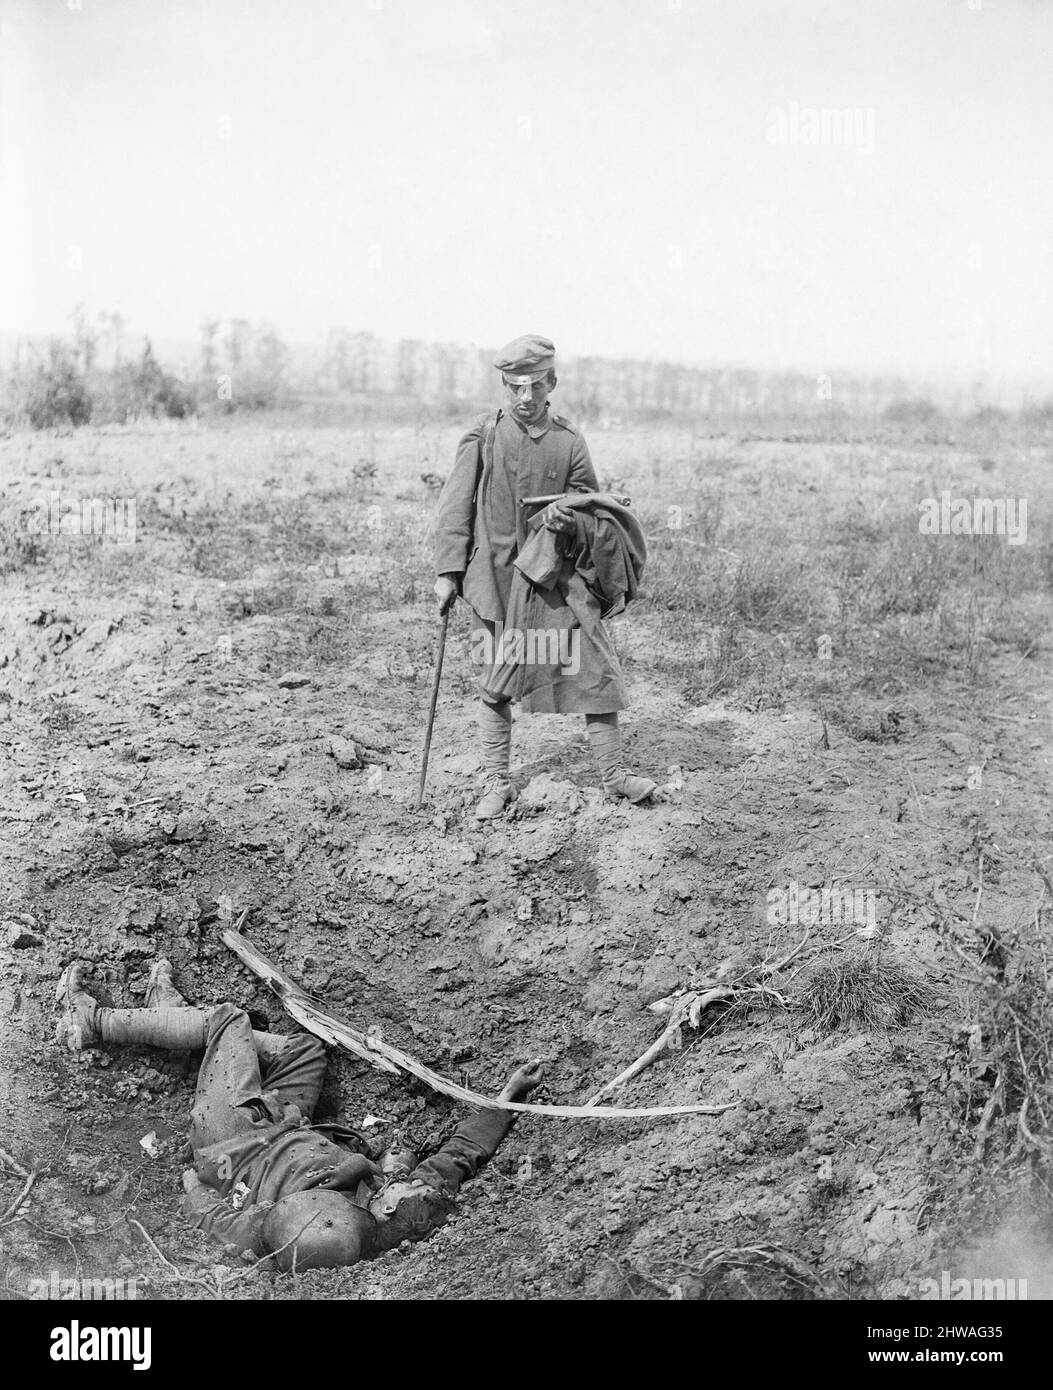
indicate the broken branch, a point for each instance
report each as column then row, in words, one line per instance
column 317, row 1020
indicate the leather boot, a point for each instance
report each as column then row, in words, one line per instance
column 499, row 795
column 76, row 1026
column 605, row 741
column 627, row 784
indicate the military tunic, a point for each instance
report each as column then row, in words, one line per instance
column 479, row 544
column 253, row 1144
column 529, row 461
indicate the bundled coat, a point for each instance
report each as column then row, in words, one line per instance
column 556, row 653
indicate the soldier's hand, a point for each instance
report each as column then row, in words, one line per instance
column 524, row 1080
column 558, row 518
column 355, row 1168
column 445, row 591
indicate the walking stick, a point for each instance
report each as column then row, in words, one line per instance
column 439, row 652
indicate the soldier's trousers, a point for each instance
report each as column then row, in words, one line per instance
column 236, row 1088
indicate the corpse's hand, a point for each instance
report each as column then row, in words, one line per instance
column 558, row 518
column 524, row 1080
column 352, row 1170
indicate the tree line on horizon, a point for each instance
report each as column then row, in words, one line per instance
column 94, row 375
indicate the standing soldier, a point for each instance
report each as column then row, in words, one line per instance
column 484, row 533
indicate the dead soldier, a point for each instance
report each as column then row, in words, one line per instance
column 264, row 1178
column 541, row 557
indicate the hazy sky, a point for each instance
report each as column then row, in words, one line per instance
column 613, row 173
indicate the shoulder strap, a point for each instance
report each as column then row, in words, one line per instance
column 486, row 452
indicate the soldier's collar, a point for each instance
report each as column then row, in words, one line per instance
column 539, row 428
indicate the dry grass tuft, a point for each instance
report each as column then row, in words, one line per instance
column 866, row 992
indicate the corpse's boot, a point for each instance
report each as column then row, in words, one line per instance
column 83, row 1022
column 77, row 1025
column 605, row 743
column 161, row 992
column 495, row 733
column 167, row 1021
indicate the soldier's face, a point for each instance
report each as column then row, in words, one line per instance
column 527, row 401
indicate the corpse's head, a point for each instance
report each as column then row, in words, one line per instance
column 528, row 395
column 318, row 1229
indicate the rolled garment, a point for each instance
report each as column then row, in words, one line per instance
column 554, row 653
column 608, row 548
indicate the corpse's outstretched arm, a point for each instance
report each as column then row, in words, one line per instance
column 412, row 1209
column 476, row 1140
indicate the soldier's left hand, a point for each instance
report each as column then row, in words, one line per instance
column 355, row 1168
column 557, row 518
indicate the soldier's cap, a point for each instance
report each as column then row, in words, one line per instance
column 526, row 359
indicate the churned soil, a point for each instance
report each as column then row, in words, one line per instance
column 229, row 714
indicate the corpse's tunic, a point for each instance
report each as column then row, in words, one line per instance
column 479, row 544
column 254, row 1144
column 288, row 1156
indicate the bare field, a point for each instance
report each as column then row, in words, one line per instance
column 834, row 699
